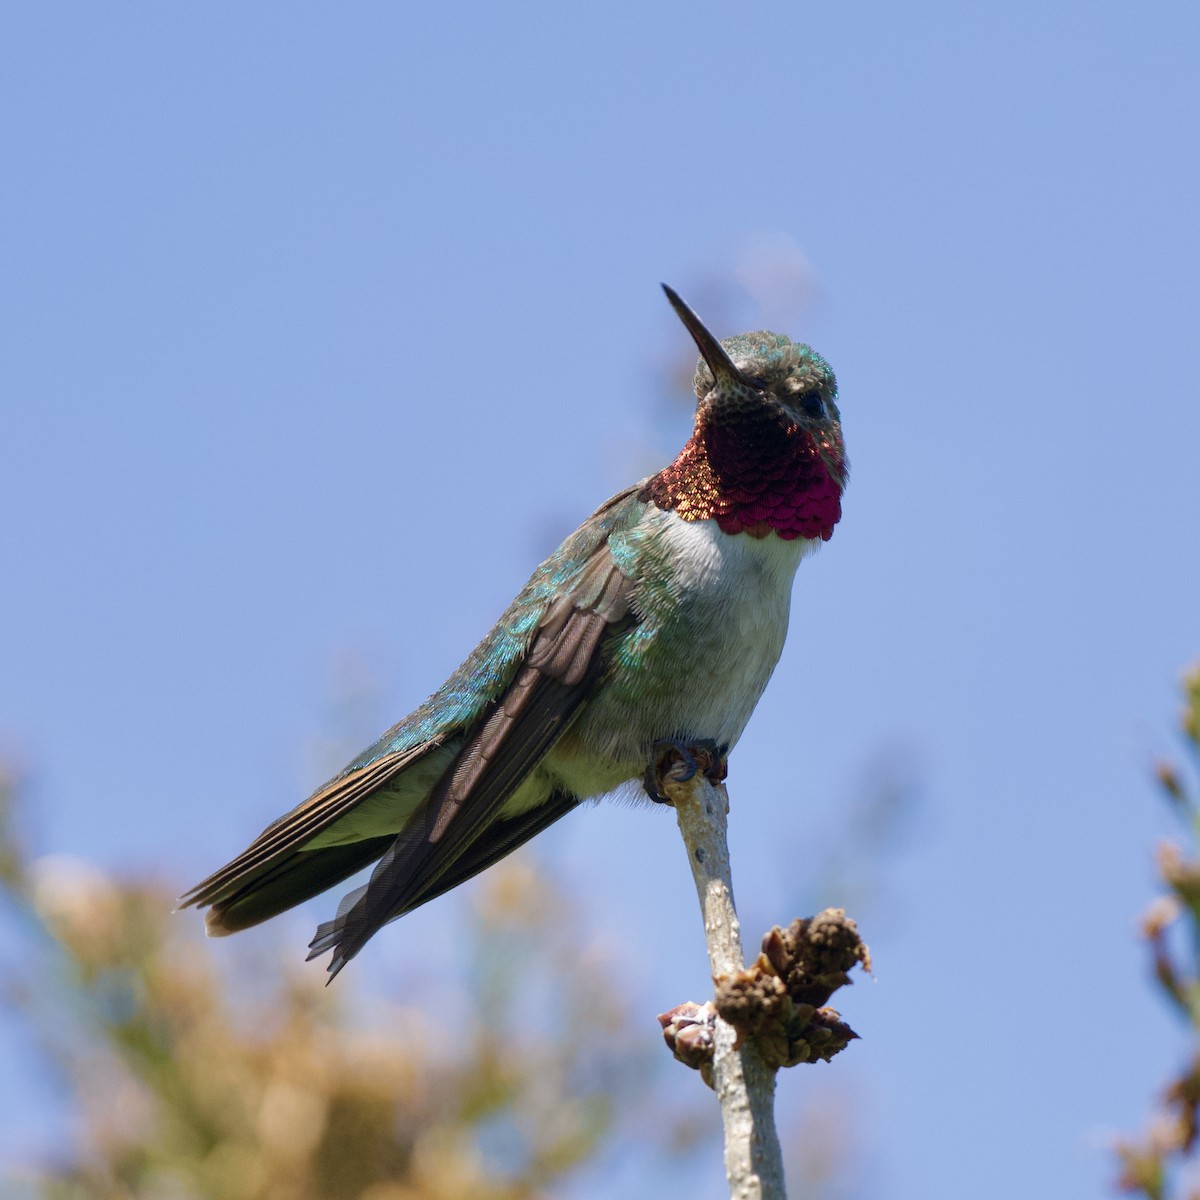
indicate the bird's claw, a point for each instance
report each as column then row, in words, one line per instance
column 679, row 762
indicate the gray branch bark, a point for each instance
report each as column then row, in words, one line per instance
column 744, row 1084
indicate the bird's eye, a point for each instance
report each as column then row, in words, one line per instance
column 811, row 405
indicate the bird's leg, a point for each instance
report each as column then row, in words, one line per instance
column 680, row 761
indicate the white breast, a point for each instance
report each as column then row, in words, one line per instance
column 735, row 596
column 713, row 611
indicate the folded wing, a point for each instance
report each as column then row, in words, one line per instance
column 541, row 658
column 458, row 829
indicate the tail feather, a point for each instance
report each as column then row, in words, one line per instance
column 297, row 878
column 350, row 929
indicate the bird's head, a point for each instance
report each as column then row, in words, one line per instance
column 764, row 373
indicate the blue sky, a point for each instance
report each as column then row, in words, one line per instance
column 321, row 326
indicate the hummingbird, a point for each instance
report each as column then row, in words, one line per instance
column 652, row 629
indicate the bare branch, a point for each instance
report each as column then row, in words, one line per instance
column 744, row 1084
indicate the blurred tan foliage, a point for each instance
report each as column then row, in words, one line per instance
column 262, row 1084
column 1163, row 1163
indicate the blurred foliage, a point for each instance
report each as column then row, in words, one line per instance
column 1163, row 1163
column 262, row 1084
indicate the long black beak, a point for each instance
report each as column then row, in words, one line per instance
column 714, row 354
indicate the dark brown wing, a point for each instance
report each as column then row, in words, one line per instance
column 501, row 837
column 455, row 832
column 273, row 874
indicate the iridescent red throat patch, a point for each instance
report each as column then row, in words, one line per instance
column 760, row 478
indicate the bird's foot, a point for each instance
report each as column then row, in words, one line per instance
column 679, row 761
